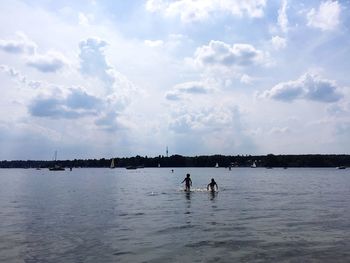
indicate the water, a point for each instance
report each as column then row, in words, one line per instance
column 119, row 215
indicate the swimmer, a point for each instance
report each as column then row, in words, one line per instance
column 188, row 182
column 212, row 185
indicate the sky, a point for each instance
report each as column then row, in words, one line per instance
column 115, row 78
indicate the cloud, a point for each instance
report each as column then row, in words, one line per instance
column 22, row 45
column 79, row 99
column 83, row 19
column 207, row 126
column 278, row 130
column 202, row 120
column 171, row 43
column 18, row 76
column 246, row 79
column 109, row 121
column 48, row 63
column 278, row 42
column 154, row 43
column 192, row 10
column 179, row 91
column 172, row 95
column 93, row 63
column 282, row 19
column 218, row 53
column 326, row 17
column 13, row 73
column 76, row 104
column 339, row 110
column 343, row 128
column 307, row 87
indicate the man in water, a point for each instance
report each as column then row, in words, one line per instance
column 212, row 185
column 188, row 182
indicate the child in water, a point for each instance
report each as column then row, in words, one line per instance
column 188, row 182
column 212, row 184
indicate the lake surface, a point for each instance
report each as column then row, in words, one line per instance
column 119, row 215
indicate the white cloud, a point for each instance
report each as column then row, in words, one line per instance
column 92, row 58
column 21, row 45
column 339, row 110
column 192, row 10
column 50, row 62
column 154, row 43
column 77, row 103
column 83, row 19
column 93, row 63
column 13, row 73
column 246, row 79
column 278, row 42
column 307, row 87
column 278, row 130
column 282, row 19
column 179, row 91
column 224, row 124
column 326, row 17
column 218, row 53
column 117, row 90
column 18, row 76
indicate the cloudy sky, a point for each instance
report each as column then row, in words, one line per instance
column 96, row 79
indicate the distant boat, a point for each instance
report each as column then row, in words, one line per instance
column 56, row 167
column 253, row 165
column 341, row 167
column 112, row 164
column 158, row 165
column 216, row 165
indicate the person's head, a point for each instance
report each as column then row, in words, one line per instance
column 212, row 180
column 187, row 175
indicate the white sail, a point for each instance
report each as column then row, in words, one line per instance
column 216, row 165
column 112, row 164
column 253, row 165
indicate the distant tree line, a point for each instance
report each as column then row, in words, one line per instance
column 270, row 160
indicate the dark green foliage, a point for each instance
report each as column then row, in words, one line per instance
column 270, row 160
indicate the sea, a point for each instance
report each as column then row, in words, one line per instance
column 143, row 215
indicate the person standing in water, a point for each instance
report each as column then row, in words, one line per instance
column 188, row 182
column 212, row 185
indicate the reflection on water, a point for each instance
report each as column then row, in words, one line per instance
column 188, row 195
column 213, row 194
column 103, row 215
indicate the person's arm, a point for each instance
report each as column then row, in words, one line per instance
column 191, row 182
column 183, row 180
column 217, row 187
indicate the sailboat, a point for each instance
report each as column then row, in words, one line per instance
column 253, row 165
column 56, row 167
column 216, row 165
column 112, row 164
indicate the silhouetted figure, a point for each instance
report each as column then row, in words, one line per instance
column 188, row 182
column 212, row 185
column 172, row 170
